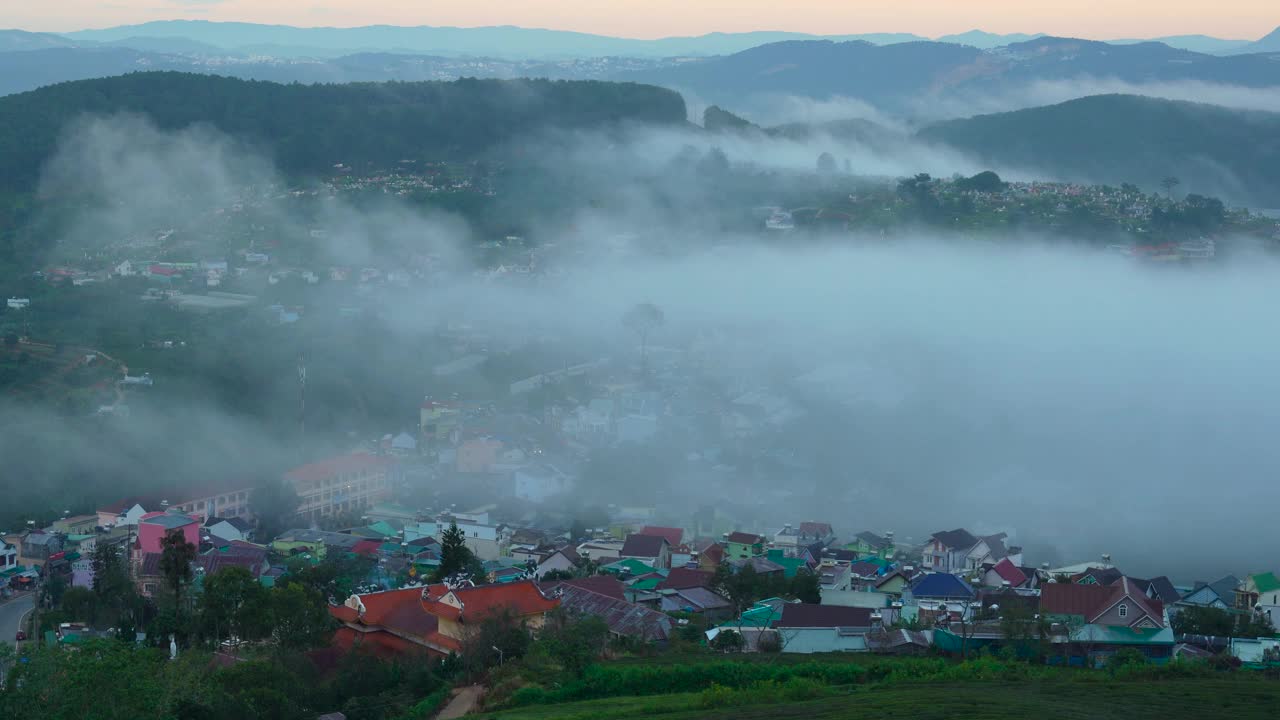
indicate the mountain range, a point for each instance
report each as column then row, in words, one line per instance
column 906, row 76
column 528, row 43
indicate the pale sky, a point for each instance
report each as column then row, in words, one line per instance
column 1098, row 19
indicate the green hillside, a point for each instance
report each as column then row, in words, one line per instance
column 307, row 128
column 1122, row 138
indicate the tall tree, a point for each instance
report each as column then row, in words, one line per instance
column 234, row 603
column 176, row 557
column 455, row 556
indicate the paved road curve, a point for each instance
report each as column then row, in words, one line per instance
column 11, row 615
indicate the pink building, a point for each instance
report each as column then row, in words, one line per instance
column 153, row 527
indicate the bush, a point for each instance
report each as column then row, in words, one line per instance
column 1125, row 658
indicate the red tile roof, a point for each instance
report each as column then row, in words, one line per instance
column 744, row 538
column 1071, row 599
column 521, row 598
column 366, row 547
column 1010, row 572
column 336, row 466
column 607, row 585
column 815, row 529
column 674, row 536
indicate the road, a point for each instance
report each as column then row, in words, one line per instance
column 11, row 616
column 463, row 702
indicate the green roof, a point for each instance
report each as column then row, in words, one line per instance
column 384, row 528
column 790, row 566
column 1265, row 582
column 760, row 615
column 645, row 584
column 630, row 565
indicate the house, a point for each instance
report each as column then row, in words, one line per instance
column 484, row 540
column 438, row 420
column 681, row 578
column 896, row 582
column 1162, row 589
column 1005, row 574
column 762, row 566
column 600, row 550
column 600, row 584
column 1260, row 593
column 40, row 547
column 77, row 525
column 540, row 482
column 741, row 545
column 991, row 549
column 565, row 559
column 653, row 550
column 708, row 554
column 833, row 578
column 1097, row 576
column 1092, row 622
column 807, row 628
column 154, row 527
column 8, row 556
column 898, row 642
column 948, row 551
column 433, row 620
column 869, row 543
column 339, row 485
column 1218, row 594
column 673, row 536
column 233, row 528
column 404, row 445
column 942, row 597
column 1255, row 651
column 698, row 600
column 623, row 618
column 127, row 511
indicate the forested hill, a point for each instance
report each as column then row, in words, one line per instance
column 1122, row 138
column 308, row 128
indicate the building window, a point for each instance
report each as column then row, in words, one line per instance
column 1124, row 610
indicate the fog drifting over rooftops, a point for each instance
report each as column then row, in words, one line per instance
column 1082, row 403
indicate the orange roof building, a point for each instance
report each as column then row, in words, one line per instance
column 433, row 620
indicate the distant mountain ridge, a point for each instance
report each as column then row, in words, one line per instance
column 526, row 43
column 899, row 77
column 1123, row 138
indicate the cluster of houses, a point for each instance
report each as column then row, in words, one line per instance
column 646, row 582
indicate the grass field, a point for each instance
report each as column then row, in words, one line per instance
column 1238, row 699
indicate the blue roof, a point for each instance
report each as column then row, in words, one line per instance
column 942, row 585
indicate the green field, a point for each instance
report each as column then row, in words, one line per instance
column 1238, row 699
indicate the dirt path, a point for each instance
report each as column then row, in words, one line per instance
column 464, row 701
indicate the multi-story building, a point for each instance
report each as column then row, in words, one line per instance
column 207, row 503
column 340, row 485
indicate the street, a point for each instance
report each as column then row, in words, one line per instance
column 11, row 615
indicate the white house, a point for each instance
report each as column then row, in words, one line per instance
column 16, row 303
column 229, row 528
column 538, row 483
column 565, row 559
column 8, row 555
column 1251, row 650
column 125, row 268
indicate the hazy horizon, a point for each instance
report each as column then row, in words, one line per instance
column 1093, row 19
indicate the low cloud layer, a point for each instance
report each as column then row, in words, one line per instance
column 1083, row 403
